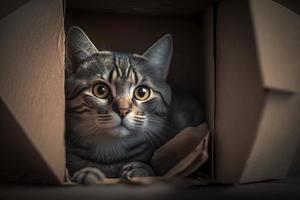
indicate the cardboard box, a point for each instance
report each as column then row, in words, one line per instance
column 32, row 92
column 257, row 90
column 239, row 58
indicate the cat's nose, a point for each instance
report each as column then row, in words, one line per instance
column 122, row 112
column 122, row 106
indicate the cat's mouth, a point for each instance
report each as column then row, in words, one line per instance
column 121, row 130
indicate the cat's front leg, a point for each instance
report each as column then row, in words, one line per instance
column 136, row 169
column 88, row 176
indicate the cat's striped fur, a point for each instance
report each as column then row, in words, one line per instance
column 108, row 133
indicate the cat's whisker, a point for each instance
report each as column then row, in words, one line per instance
column 104, row 119
column 139, row 117
column 84, row 124
column 87, row 115
column 149, row 140
column 138, row 120
column 139, row 124
column 92, row 123
column 149, row 131
column 152, row 127
column 105, row 124
column 93, row 129
column 105, row 116
column 78, row 112
column 95, row 118
column 89, row 128
column 162, row 121
column 96, row 115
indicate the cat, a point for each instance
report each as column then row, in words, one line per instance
column 119, row 109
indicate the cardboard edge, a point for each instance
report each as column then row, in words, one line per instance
column 209, row 29
column 235, row 177
column 255, row 15
column 37, row 167
column 285, row 104
column 50, row 172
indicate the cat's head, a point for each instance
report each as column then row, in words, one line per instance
column 116, row 94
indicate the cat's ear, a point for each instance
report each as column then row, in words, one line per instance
column 78, row 48
column 159, row 55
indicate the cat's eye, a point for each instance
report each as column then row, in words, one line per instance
column 142, row 93
column 101, row 90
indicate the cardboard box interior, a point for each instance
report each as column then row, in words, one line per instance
column 119, row 27
column 119, row 32
column 243, row 93
column 257, row 98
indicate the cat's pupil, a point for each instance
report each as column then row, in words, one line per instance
column 142, row 92
column 101, row 90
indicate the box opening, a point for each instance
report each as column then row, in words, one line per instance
column 229, row 57
column 133, row 28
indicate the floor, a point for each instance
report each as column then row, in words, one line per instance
column 284, row 189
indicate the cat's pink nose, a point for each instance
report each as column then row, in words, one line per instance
column 122, row 112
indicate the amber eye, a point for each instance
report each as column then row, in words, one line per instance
column 101, row 91
column 141, row 93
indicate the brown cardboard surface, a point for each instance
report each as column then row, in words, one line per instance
column 209, row 65
column 290, row 4
column 253, row 113
column 32, row 82
column 7, row 8
column 20, row 160
column 276, row 140
column 277, row 31
column 239, row 92
column 256, row 130
column 295, row 166
column 176, row 158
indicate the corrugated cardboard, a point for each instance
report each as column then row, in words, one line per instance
column 32, row 90
column 247, row 76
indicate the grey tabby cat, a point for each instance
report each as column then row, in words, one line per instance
column 119, row 109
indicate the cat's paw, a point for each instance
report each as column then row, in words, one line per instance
column 136, row 169
column 88, row 176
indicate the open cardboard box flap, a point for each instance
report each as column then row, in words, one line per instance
column 257, row 91
column 252, row 85
column 277, row 31
column 32, row 91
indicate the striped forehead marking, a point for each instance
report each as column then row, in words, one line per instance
column 122, row 63
column 122, row 68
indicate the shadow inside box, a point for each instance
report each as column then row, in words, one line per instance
column 283, row 189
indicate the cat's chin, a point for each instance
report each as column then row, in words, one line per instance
column 120, row 131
